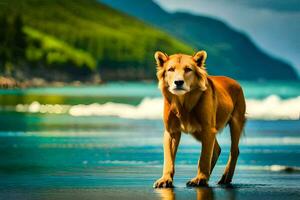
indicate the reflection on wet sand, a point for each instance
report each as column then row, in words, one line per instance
column 205, row 193
column 201, row 193
column 166, row 193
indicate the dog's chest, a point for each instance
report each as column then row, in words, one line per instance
column 189, row 126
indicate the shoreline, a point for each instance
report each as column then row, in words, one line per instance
column 7, row 82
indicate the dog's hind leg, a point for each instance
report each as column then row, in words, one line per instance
column 236, row 125
column 216, row 154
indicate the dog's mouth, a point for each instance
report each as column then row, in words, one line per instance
column 179, row 89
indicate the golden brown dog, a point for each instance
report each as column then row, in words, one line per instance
column 201, row 105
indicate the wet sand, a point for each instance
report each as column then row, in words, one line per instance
column 120, row 160
column 136, row 183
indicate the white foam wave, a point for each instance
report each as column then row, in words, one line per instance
column 270, row 108
column 273, row 108
column 147, row 109
column 36, row 107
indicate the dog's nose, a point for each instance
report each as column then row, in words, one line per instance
column 179, row 83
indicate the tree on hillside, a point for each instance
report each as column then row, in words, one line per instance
column 19, row 38
column 3, row 25
column 12, row 42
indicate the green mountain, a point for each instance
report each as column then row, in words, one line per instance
column 230, row 52
column 65, row 40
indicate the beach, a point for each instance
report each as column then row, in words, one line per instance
column 91, row 155
column 109, row 166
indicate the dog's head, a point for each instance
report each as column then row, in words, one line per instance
column 181, row 73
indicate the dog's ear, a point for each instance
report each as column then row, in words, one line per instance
column 200, row 58
column 160, row 58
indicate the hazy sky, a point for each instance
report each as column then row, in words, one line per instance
column 274, row 25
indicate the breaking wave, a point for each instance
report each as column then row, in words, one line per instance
column 273, row 107
column 270, row 108
column 147, row 109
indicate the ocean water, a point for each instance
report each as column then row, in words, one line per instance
column 105, row 142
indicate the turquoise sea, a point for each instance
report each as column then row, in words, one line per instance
column 105, row 142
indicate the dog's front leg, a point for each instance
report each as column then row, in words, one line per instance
column 204, row 164
column 171, row 141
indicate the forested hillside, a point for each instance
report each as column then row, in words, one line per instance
column 76, row 40
column 85, row 40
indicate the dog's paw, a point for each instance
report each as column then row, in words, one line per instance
column 225, row 179
column 197, row 182
column 163, row 182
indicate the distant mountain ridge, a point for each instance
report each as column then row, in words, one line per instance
column 230, row 52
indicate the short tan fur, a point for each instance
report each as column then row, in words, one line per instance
column 200, row 105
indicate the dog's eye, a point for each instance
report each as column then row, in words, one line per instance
column 187, row 69
column 171, row 69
